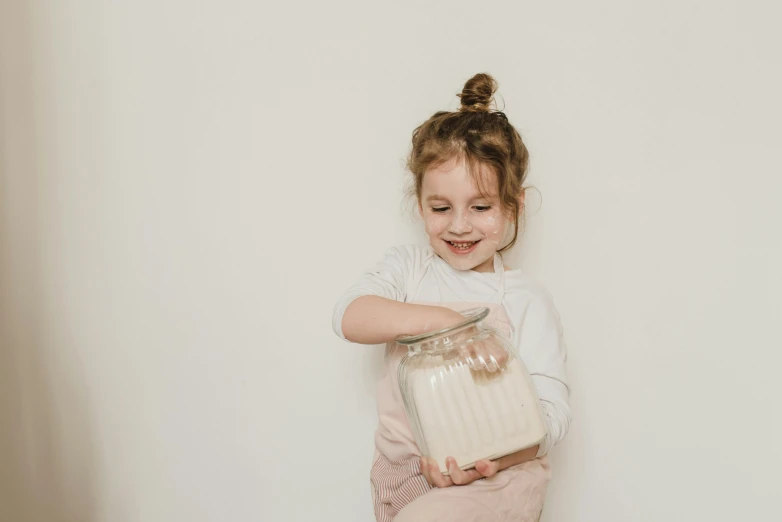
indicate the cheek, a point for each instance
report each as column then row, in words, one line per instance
column 494, row 226
column 435, row 224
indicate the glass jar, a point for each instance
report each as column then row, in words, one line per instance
column 467, row 394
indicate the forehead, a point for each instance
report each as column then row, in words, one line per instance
column 453, row 178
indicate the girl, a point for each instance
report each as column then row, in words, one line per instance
column 468, row 169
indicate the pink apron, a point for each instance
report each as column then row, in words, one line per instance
column 400, row 492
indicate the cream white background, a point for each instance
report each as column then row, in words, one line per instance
column 186, row 188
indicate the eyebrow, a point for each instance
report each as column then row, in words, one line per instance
column 434, row 197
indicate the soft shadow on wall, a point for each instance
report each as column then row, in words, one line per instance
column 46, row 458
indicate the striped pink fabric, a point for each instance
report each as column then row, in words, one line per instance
column 394, row 485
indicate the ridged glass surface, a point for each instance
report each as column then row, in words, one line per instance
column 461, row 403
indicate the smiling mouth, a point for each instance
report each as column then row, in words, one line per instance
column 462, row 246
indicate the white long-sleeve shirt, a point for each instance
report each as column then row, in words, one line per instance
column 416, row 273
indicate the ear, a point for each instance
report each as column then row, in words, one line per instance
column 420, row 209
column 521, row 199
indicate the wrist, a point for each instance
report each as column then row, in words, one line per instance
column 428, row 318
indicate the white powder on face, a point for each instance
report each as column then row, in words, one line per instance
column 472, row 415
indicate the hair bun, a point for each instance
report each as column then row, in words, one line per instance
column 478, row 93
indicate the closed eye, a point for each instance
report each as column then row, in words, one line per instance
column 482, row 208
column 440, row 209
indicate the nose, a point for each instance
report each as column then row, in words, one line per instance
column 460, row 224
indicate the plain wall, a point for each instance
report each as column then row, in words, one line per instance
column 187, row 187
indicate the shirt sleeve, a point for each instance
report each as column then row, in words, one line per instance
column 541, row 345
column 388, row 278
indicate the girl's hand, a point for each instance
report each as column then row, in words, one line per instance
column 483, row 468
column 431, row 472
column 439, row 318
column 479, row 355
column 485, row 356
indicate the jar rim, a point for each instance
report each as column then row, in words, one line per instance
column 472, row 316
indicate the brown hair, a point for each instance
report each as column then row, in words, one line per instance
column 478, row 136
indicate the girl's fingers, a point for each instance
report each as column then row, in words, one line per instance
column 487, row 468
column 424, row 465
column 466, row 355
column 438, row 479
column 500, row 356
column 482, row 356
column 434, row 477
column 489, row 357
column 461, row 477
column 493, row 357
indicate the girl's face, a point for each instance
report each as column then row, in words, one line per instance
column 464, row 227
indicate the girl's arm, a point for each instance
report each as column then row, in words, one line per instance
column 541, row 345
column 371, row 319
column 374, row 311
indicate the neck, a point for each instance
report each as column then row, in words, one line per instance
column 486, row 266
